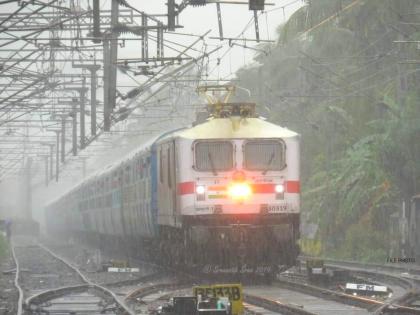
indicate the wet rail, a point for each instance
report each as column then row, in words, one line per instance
column 281, row 297
column 254, row 304
column 19, row 307
column 396, row 275
column 72, row 299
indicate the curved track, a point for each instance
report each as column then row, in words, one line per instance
column 104, row 296
column 254, row 304
column 283, row 297
column 406, row 285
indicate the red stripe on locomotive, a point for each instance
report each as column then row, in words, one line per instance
column 292, row 187
column 186, row 188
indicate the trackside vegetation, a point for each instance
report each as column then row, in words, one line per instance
column 338, row 77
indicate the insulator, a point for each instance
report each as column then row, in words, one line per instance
column 124, row 29
column 120, row 29
column 134, row 92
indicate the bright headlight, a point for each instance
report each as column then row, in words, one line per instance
column 200, row 190
column 239, row 191
column 279, row 188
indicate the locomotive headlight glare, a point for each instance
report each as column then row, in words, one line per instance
column 239, row 191
column 200, row 190
column 279, row 188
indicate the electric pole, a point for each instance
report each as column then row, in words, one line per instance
column 93, row 68
column 110, row 47
column 57, row 157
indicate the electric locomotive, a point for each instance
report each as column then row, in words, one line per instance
column 222, row 195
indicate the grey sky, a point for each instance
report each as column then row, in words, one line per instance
column 235, row 19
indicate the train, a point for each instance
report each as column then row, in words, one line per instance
column 222, row 194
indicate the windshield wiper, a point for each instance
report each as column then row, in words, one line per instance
column 269, row 163
column 213, row 169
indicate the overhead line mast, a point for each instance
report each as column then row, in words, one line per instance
column 43, row 43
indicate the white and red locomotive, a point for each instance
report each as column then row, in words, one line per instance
column 224, row 192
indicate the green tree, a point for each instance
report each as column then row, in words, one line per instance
column 337, row 77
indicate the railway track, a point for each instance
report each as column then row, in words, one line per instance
column 254, row 305
column 409, row 268
column 80, row 295
column 397, row 276
column 123, row 297
column 258, row 300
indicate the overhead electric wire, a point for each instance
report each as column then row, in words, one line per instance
column 245, row 29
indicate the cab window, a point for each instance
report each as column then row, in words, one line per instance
column 264, row 155
column 213, row 156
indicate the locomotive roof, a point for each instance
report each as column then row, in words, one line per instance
column 143, row 147
column 224, row 128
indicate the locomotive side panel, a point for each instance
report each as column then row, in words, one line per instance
column 185, row 178
column 292, row 182
column 167, row 202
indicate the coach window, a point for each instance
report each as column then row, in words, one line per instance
column 141, row 169
column 213, row 156
column 264, row 155
column 127, row 174
column 161, row 165
column 169, row 169
column 147, row 167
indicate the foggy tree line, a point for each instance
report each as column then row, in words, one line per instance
column 337, row 76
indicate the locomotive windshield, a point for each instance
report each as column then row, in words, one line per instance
column 264, row 155
column 211, row 156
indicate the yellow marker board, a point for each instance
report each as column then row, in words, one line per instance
column 231, row 291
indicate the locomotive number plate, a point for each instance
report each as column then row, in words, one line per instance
column 278, row 208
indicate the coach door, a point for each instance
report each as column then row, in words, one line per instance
column 171, row 177
column 166, row 184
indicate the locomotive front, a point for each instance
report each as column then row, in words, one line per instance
column 238, row 191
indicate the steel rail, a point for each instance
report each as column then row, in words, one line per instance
column 16, row 281
column 89, row 284
column 326, row 294
column 395, row 304
column 378, row 271
column 390, row 267
column 144, row 291
column 265, row 303
column 275, row 306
